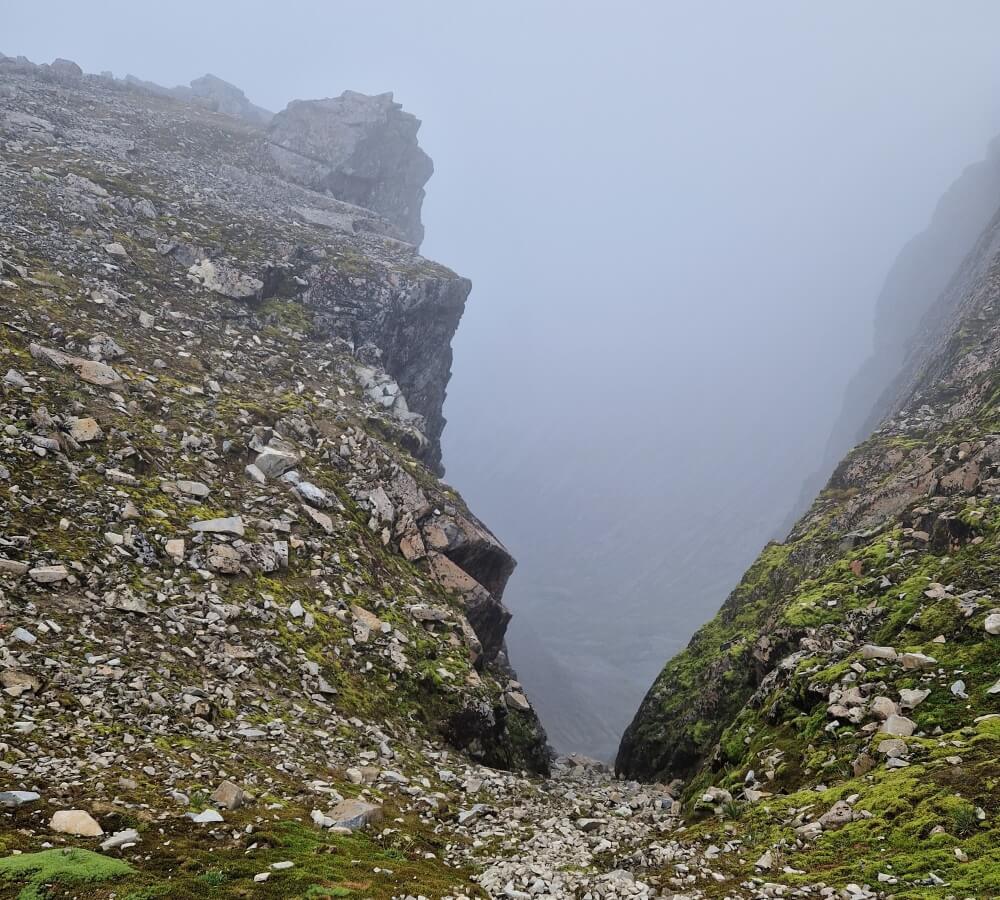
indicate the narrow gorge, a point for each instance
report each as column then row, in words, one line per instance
column 253, row 645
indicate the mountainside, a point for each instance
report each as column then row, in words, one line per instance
column 251, row 645
column 862, row 652
column 917, row 278
column 221, row 553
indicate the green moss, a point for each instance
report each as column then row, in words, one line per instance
column 67, row 867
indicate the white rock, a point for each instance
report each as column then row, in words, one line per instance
column 228, row 525
column 75, row 821
column 121, row 838
column 205, row 816
column 48, row 574
column 898, row 725
column 912, row 698
column 917, row 661
column 871, row 651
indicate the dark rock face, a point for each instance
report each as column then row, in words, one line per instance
column 360, row 149
column 410, row 318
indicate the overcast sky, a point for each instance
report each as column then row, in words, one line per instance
column 676, row 217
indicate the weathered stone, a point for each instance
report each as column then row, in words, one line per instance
column 193, row 488
column 121, row 839
column 517, row 700
column 225, row 280
column 229, row 795
column 883, row 708
column 898, row 725
column 175, row 549
column 85, row 430
column 13, row 567
column 837, row 816
column 275, row 461
column 16, row 799
column 77, row 822
column 229, row 525
column 48, row 574
column 16, row 683
column 917, row 661
column 319, row 518
column 911, row 699
column 871, row 651
column 355, row 814
column 224, row 559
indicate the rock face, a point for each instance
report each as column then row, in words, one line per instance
column 832, row 606
column 360, row 149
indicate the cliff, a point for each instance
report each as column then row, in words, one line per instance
column 858, row 658
column 913, row 287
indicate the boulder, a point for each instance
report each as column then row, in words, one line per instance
column 228, row 99
column 77, row 822
column 837, row 816
column 871, row 651
column 85, row 430
column 354, row 814
column 225, row 280
column 275, row 461
column 223, row 559
column 229, row 525
column 883, row 708
column 229, row 795
column 912, row 698
column 917, row 661
column 898, row 725
column 48, row 574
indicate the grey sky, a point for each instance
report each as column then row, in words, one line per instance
column 676, row 217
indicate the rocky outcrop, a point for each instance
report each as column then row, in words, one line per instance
column 360, row 149
column 209, row 91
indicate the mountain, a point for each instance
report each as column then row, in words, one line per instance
column 252, row 645
column 224, row 552
column 856, row 663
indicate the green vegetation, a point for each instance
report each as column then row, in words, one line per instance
column 34, row 872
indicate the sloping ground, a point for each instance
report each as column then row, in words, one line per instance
column 862, row 655
column 219, row 555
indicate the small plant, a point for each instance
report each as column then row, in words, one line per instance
column 733, row 809
column 213, row 877
column 965, row 820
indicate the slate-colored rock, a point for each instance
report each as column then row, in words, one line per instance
column 359, row 148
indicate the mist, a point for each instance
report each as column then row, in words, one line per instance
column 676, row 218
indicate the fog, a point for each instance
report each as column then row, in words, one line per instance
column 676, row 217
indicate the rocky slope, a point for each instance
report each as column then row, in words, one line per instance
column 858, row 661
column 916, row 280
column 252, row 646
column 222, row 554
